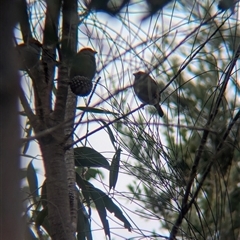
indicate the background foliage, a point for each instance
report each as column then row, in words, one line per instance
column 182, row 170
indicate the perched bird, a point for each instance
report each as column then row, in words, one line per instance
column 227, row 4
column 106, row 6
column 28, row 54
column 155, row 5
column 82, row 71
column 147, row 90
column 84, row 64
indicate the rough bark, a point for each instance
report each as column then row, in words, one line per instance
column 57, row 189
column 51, row 144
column 70, row 24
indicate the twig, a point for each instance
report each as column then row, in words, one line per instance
column 185, row 206
column 31, row 116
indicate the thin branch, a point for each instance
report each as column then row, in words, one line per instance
column 225, row 81
column 50, row 42
column 226, row 134
column 68, row 47
column 192, row 55
column 102, row 127
column 24, row 20
column 185, row 205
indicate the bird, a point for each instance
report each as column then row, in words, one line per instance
column 154, row 6
column 82, row 71
column 28, row 54
column 84, row 64
column 224, row 5
column 147, row 90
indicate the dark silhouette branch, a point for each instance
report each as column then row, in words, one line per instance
column 185, row 205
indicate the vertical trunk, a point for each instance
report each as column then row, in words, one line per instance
column 57, row 188
column 69, row 156
column 69, row 46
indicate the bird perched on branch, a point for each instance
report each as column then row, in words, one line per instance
column 28, row 54
column 82, row 71
column 147, row 90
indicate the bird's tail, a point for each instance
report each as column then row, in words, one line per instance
column 159, row 109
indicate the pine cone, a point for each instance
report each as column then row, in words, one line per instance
column 81, row 86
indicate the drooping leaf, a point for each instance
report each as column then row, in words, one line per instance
column 82, row 184
column 32, row 180
column 41, row 217
column 83, row 225
column 45, row 223
column 97, row 197
column 111, row 136
column 113, row 208
column 103, row 202
column 114, row 169
column 92, row 173
column 88, row 157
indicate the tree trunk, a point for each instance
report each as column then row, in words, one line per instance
column 57, row 188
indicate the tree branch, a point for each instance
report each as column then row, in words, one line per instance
column 185, row 206
column 31, row 116
column 24, row 20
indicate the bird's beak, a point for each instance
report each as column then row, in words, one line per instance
column 134, row 74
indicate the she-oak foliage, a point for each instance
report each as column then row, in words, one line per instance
column 185, row 166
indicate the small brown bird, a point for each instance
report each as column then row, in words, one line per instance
column 28, row 54
column 84, row 64
column 147, row 90
column 82, row 71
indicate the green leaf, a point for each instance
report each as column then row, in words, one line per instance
column 97, row 197
column 83, row 225
column 112, row 138
column 92, row 173
column 95, row 110
column 114, row 169
column 113, row 208
column 88, row 157
column 103, row 202
column 41, row 217
column 42, row 220
column 32, row 180
column 82, row 184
